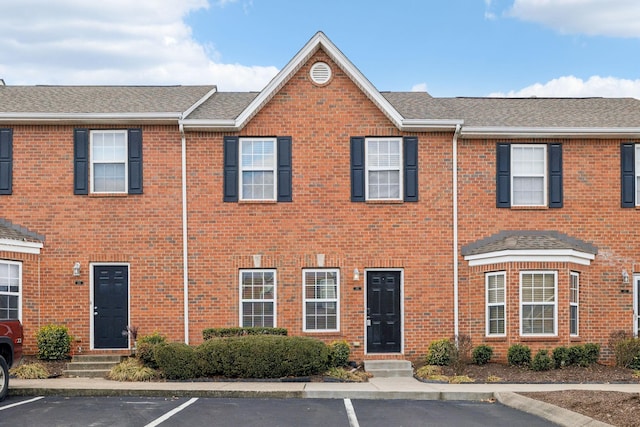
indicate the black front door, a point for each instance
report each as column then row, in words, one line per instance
column 110, row 306
column 383, row 312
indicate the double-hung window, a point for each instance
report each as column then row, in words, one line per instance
column 258, row 178
column 321, row 310
column 574, row 300
column 108, row 161
column 529, row 175
column 258, row 298
column 384, row 168
column 495, row 297
column 10, row 290
column 538, row 303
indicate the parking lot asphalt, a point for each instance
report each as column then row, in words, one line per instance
column 374, row 389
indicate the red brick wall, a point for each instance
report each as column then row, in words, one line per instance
column 591, row 212
column 415, row 237
column 143, row 230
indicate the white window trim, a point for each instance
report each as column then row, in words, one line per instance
column 555, row 303
column 126, row 161
column 368, row 168
column 19, row 264
column 544, row 174
column 305, row 299
column 275, row 293
column 575, row 303
column 242, row 168
column 487, row 304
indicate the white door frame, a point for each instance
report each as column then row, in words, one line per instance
column 91, row 305
column 366, row 290
column 636, row 296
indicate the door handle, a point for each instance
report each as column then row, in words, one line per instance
column 95, row 313
column 368, row 322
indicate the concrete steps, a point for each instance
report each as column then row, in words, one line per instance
column 389, row 368
column 91, row 365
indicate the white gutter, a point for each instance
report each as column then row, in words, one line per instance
column 547, row 132
column 92, row 117
column 456, row 322
column 185, row 251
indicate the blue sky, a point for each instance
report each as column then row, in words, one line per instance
column 449, row 48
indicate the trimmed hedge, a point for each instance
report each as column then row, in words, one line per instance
column 262, row 356
column 238, row 332
column 177, row 361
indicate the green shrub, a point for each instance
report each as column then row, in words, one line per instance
column 131, row 369
column 30, row 371
column 54, row 342
column 482, row 354
column 542, row 361
column 339, row 352
column 519, row 355
column 627, row 353
column 440, row 352
column 239, row 332
column 591, row 353
column 561, row 357
column 146, row 346
column 263, row 356
column 177, row 361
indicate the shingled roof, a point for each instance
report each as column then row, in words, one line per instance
column 10, row 231
column 527, row 240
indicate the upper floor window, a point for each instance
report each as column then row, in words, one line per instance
column 538, row 303
column 384, row 169
column 107, row 161
column 529, row 175
column 321, row 300
column 10, row 289
column 257, row 169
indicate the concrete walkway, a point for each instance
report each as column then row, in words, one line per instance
column 376, row 388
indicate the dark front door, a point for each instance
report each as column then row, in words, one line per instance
column 110, row 306
column 383, row 312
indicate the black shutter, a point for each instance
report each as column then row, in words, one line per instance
column 135, row 161
column 284, row 169
column 357, row 169
column 6, row 161
column 503, row 176
column 555, row 175
column 628, row 175
column 80, row 161
column 411, row 169
column 230, row 169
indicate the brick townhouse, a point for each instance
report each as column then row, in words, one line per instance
column 321, row 205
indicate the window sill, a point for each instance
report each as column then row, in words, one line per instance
column 490, row 338
column 525, row 338
column 257, row 202
column 385, row 202
column 322, row 333
column 529, row 208
column 98, row 195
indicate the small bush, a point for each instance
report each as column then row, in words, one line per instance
column 584, row 355
column 177, row 361
column 461, row 353
column 209, row 355
column 482, row 354
column 542, row 361
column 431, row 373
column 627, row 353
column 209, row 333
column 440, row 352
column 339, row 352
column 347, row 375
column 591, row 353
column 54, row 342
column 146, row 349
column 30, row 371
column 132, row 369
column 519, row 355
column 561, row 357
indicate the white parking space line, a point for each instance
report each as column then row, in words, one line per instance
column 351, row 413
column 24, row 402
column 170, row 414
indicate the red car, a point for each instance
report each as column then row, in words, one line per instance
column 10, row 351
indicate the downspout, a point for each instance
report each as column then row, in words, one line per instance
column 456, row 321
column 185, row 251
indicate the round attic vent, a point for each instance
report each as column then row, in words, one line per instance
column 320, row 73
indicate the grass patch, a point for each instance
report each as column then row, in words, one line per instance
column 461, row 379
column 351, row 375
column 431, row 373
column 132, row 369
column 493, row 379
column 30, row 371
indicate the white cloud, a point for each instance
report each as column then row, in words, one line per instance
column 114, row 42
column 573, row 87
column 614, row 18
column 420, row 87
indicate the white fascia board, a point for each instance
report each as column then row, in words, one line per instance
column 88, row 117
column 8, row 245
column 534, row 255
column 210, row 125
column 544, row 132
column 199, row 102
column 416, row 125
